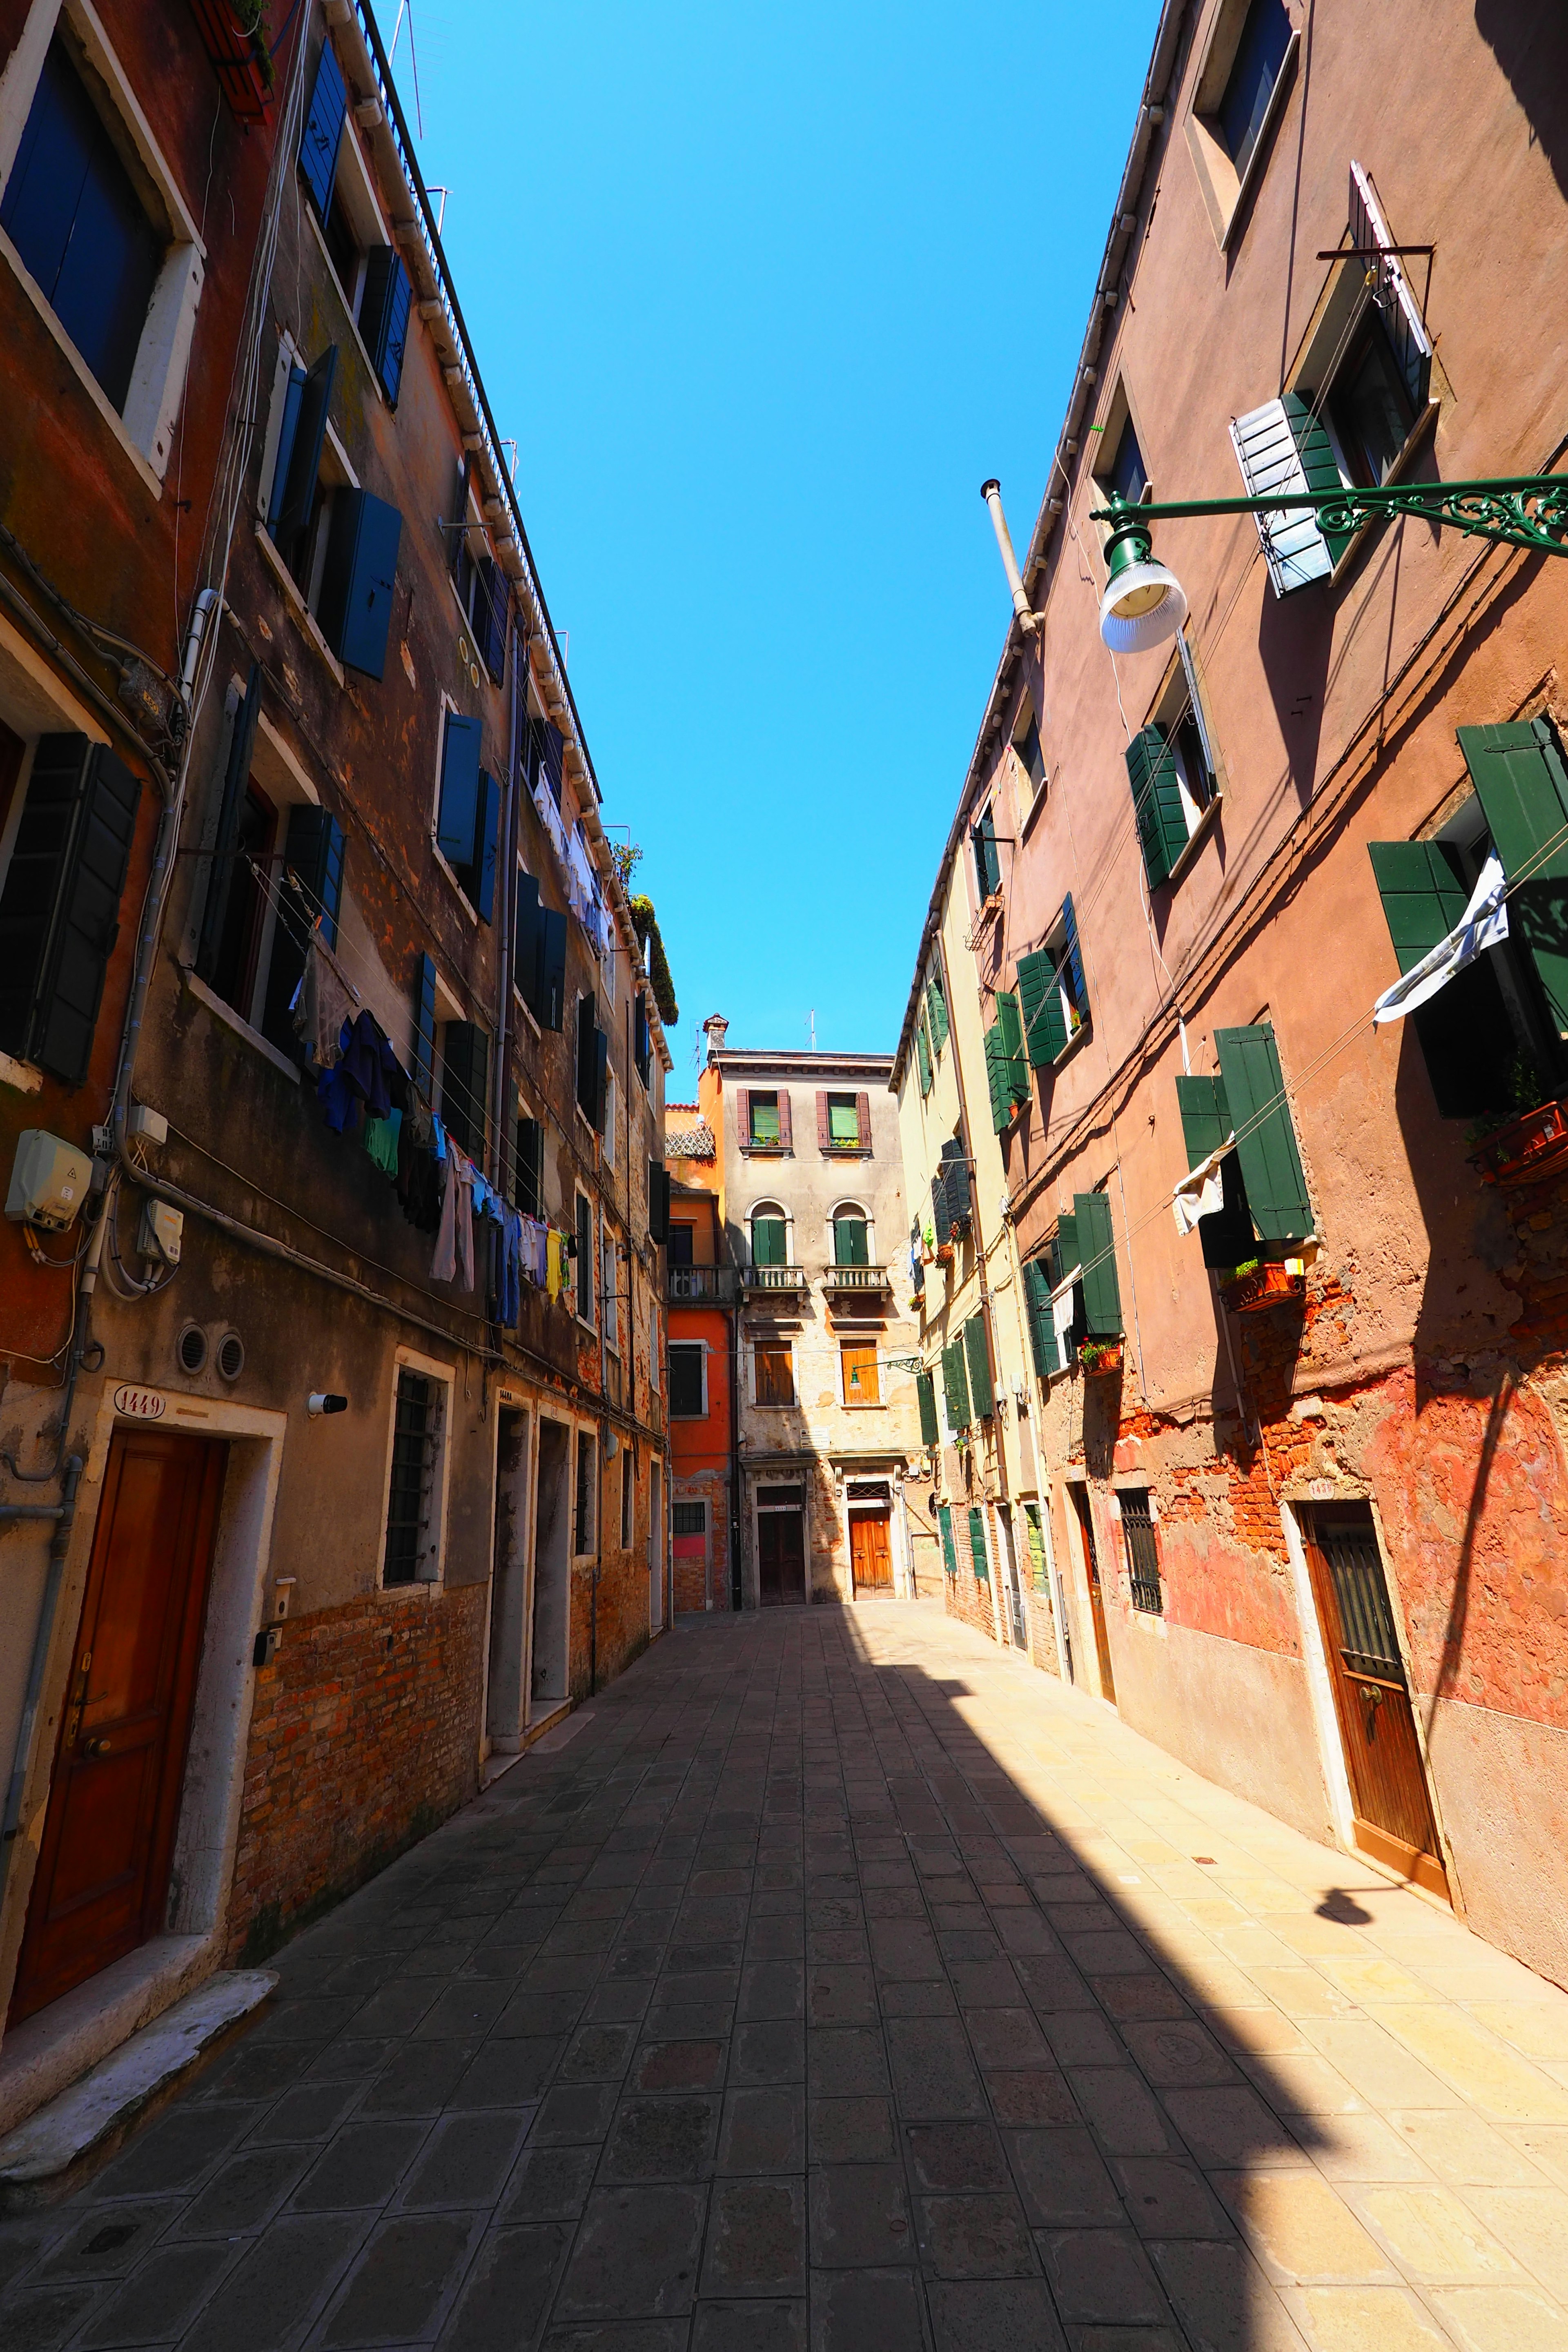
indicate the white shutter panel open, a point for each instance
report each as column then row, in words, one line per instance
column 1293, row 547
column 1396, row 304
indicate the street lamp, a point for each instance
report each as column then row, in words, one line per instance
column 1143, row 604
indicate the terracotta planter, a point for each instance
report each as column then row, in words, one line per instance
column 238, row 59
column 1268, row 1285
column 944, row 1252
column 1107, row 1360
column 1527, row 1148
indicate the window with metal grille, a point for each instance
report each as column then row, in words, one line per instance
column 689, row 1518
column 587, row 1470
column 1142, row 1552
column 1369, row 1644
column 411, row 1550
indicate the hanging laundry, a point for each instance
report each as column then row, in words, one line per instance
column 1201, row 1192
column 535, row 1250
column 510, row 1242
column 554, row 1276
column 381, row 1142
column 360, row 1077
column 326, row 1004
column 1063, row 1302
column 454, row 1257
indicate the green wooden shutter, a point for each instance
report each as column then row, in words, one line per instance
column 1066, row 1244
column 1097, row 1248
column 1042, row 1330
column 1422, row 893
column 980, row 1565
column 1011, row 1029
column 768, row 1235
column 923, row 1054
column 1156, row 804
column 1520, row 778
column 1036, row 1540
column 925, row 1396
column 1040, row 1006
column 936, row 1005
column 1227, row 1237
column 977, row 1358
column 987, row 865
column 955, row 1183
column 849, row 1242
column 1318, row 463
column 1073, row 962
column 998, row 1078
column 955, row 1386
column 949, row 1554
column 1206, row 1115
column 1265, row 1136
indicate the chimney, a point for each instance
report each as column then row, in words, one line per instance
column 715, row 1028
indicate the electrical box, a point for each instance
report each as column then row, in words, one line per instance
column 49, row 1180
column 161, row 1232
column 148, row 1124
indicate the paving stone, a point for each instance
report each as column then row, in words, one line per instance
column 1062, row 2177
column 38, row 2322
column 851, row 2131
column 636, row 2255
column 281, row 2280
column 395, row 2292
column 772, row 1989
column 420, row 2079
column 173, row 2152
column 506, row 2074
column 101, row 2246
column 858, row 2216
column 756, row 2239
column 956, row 2156
column 469, row 2008
column 597, row 2054
column 549, row 2184
column 362, row 2166
column 751, row 2326
column 976, row 2236
column 933, row 2073
column 866, row 2311
column 467, row 2159
column 678, row 2067
column 773, row 2051
column 764, row 2130
column 661, row 2139
column 157, row 2300
column 1167, row 2196
column 1001, row 2315
column 1039, row 2096
column 397, row 2008
column 244, row 2192
column 1101, row 2275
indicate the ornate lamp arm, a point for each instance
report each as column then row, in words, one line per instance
column 1527, row 510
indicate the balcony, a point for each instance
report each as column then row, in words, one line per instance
column 856, row 1278
column 702, row 1286
column 773, row 1278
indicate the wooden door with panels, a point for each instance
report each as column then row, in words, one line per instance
column 871, row 1553
column 1391, row 1804
column 1080, row 1504
column 101, row 1885
column 781, row 1545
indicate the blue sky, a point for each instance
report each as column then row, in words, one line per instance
column 764, row 294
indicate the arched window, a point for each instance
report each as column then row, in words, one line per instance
column 770, row 1235
column 851, row 1235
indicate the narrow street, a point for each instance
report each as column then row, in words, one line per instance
column 835, row 1979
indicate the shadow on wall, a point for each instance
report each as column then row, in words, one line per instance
column 1530, row 43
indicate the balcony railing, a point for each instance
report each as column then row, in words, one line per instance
column 856, row 1278
column 702, row 1286
column 774, row 1277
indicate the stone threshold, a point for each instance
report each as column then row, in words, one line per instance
column 54, row 2150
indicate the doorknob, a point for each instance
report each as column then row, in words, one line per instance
column 95, row 1747
column 1374, row 1693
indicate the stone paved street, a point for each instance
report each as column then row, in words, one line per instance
column 837, row 1981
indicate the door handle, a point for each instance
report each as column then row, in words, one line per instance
column 1374, row 1694
column 95, row 1747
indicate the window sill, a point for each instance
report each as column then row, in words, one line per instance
column 450, row 872
column 1195, row 840
column 302, row 614
column 768, row 1151
column 241, row 1027
column 421, row 1585
column 522, row 1004
column 20, row 1074
column 846, row 1150
column 1072, row 1046
column 151, row 478
column 1032, row 814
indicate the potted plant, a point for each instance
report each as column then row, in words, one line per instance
column 234, row 34
column 1258, row 1284
column 1524, row 1149
column 1099, row 1356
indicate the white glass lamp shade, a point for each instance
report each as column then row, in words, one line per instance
column 1142, row 605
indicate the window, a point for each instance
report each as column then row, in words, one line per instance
column 337, row 542
column 528, row 1185
column 850, row 1238
column 642, row 1037
column 948, row 1551
column 369, row 270
column 987, row 863
column 1035, row 1531
column 1053, row 1002
column 464, row 1087
column 1266, row 1210
column 97, row 220
column 608, row 1137
column 584, row 1259
column 774, row 1363
column 587, row 1492
column 950, row 1191
column 977, row 1556
column 687, row 1380
column 415, row 1496
column 681, row 1244
column 478, row 580
column 977, row 1364
column 923, row 1052
column 1142, row 1552
column 1493, row 1036
column 1007, row 1070
column 610, row 1288
column 936, row 1008
column 769, row 1236
column 1249, row 88
column 858, row 1365
column 593, row 1065
column 689, row 1518
column 844, row 1123
column 1240, row 85
column 1126, row 476
column 764, row 1122
column 60, row 902
column 1170, row 768
column 539, row 954
column 628, row 1494
column 467, row 813
column 1026, row 745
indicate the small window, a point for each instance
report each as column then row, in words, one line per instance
column 628, row 1494
column 467, row 813
column 1173, row 772
column 1239, row 88
column 412, row 1553
column 687, row 1380
column 843, row 1123
column 464, row 1087
column 608, row 1137
column 1142, row 1551
column 586, row 1259
column 770, row 1236
column 587, row 1492
column 987, row 859
column 592, row 1064
column 775, row 1373
column 1052, row 999
column 689, row 1518
column 858, row 1364
column 765, row 1119
column 339, row 544
column 610, row 1289
column 478, row 579
column 978, row 1559
column 1364, row 405
column 681, row 1244
column 1035, row 1532
column 936, row 1009
column 1249, row 88
column 851, row 1238
column 1026, row 746
column 1126, row 476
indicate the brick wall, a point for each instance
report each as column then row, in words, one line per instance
column 364, row 1736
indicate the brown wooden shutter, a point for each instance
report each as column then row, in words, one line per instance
column 786, row 1139
column 863, row 1119
column 743, row 1117
column 824, row 1132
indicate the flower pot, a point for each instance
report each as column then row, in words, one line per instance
column 1527, row 1148
column 238, row 59
column 944, row 1252
column 1105, row 1359
column 1268, row 1285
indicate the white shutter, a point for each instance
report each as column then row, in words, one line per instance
column 1395, row 302
column 1293, row 547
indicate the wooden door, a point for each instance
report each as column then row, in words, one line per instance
column 781, row 1557
column 1096, row 1596
column 102, row 1881
column 1390, row 1802
column 871, row 1553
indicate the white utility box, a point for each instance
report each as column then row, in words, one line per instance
column 161, row 1232
column 49, row 1180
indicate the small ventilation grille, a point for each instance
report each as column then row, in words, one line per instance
column 231, row 1355
column 192, row 1348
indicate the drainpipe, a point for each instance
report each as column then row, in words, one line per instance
column 735, row 1452
column 510, row 820
column 1028, row 619
column 62, row 1513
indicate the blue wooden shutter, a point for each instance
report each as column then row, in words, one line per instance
column 312, row 892
column 551, row 1006
column 1156, row 804
column 526, row 942
column 237, row 775
column 1522, row 787
column 1227, row 1237
column 1272, row 465
column 977, row 1360
column 384, row 313
column 59, row 912
column 293, row 397
column 1097, row 1249
column 323, row 129
column 490, row 617
column 1042, row 1329
column 1040, row 1009
column 457, row 814
column 481, row 880
column 294, row 485
column 925, row 1396
column 586, row 1033
column 1265, row 1135
column 359, row 578
column 425, row 1027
